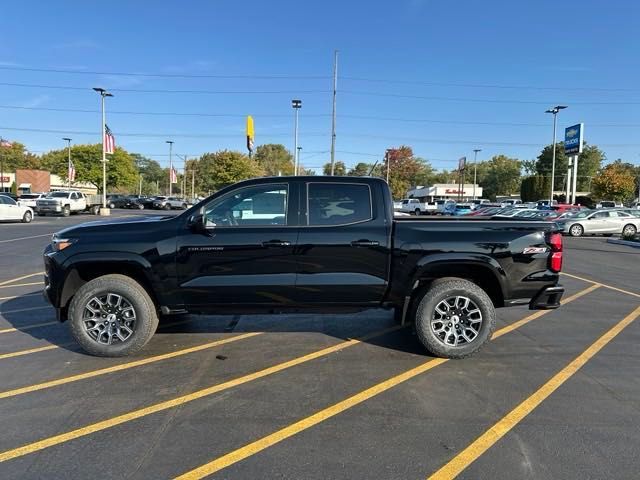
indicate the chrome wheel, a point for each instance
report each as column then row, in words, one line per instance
column 576, row 230
column 109, row 318
column 456, row 321
column 629, row 231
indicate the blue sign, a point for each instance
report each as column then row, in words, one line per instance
column 573, row 137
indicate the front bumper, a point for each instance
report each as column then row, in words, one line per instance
column 50, row 208
column 547, row 299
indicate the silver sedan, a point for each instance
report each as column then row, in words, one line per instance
column 601, row 222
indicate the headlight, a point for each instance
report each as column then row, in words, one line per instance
column 59, row 244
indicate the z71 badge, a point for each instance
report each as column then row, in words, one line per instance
column 532, row 250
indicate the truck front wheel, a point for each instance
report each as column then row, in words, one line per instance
column 66, row 211
column 454, row 318
column 112, row 316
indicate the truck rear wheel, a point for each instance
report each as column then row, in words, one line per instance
column 112, row 316
column 454, row 318
column 66, row 210
column 95, row 209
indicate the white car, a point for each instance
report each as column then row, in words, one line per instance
column 609, row 204
column 30, row 199
column 10, row 210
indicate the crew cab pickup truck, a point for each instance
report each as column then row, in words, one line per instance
column 286, row 244
column 66, row 202
column 415, row 206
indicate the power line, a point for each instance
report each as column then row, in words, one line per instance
column 144, row 90
column 308, row 115
column 168, row 75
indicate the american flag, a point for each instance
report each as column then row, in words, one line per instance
column 5, row 143
column 173, row 175
column 109, row 140
column 72, row 172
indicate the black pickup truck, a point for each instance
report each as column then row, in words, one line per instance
column 288, row 244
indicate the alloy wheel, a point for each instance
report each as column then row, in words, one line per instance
column 109, row 318
column 456, row 321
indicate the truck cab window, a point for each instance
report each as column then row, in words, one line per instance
column 338, row 203
column 253, row 206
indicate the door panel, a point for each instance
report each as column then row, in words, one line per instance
column 246, row 255
column 344, row 249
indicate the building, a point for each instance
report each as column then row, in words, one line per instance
column 445, row 191
column 41, row 181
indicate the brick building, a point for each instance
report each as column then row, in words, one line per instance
column 32, row 181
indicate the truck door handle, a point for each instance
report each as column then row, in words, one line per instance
column 365, row 243
column 276, row 243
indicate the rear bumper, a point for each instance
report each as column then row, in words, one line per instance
column 547, row 299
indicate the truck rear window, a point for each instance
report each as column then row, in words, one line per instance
column 338, row 203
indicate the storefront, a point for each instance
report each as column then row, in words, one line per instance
column 445, row 191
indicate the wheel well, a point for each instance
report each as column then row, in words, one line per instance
column 85, row 273
column 481, row 276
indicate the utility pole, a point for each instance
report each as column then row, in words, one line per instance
column 103, row 93
column 475, row 171
column 193, row 184
column 386, row 159
column 554, row 111
column 333, row 115
column 170, row 142
column 296, row 105
column 68, row 140
column 140, row 189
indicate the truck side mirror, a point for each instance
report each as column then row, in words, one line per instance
column 197, row 222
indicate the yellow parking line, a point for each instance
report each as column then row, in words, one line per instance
column 5, row 282
column 123, row 366
column 22, row 284
column 485, row 441
column 18, row 296
column 322, row 415
column 27, row 352
column 27, row 327
column 610, row 287
column 25, row 309
column 158, row 407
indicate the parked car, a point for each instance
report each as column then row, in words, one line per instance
column 336, row 247
column 599, row 222
column 415, row 206
column 29, row 200
column 115, row 200
column 462, row 209
column 169, row 203
column 148, row 202
column 12, row 210
column 609, row 204
column 135, row 202
column 66, row 202
column 479, row 202
column 12, row 196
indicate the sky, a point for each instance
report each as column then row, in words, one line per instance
column 443, row 77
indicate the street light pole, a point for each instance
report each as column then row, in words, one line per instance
column 386, row 160
column 298, row 149
column 554, row 111
column 103, row 93
column 296, row 105
column 68, row 140
column 475, row 175
column 170, row 142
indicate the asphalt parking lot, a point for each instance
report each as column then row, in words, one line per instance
column 555, row 395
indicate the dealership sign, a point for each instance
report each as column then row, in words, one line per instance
column 573, row 138
column 5, row 179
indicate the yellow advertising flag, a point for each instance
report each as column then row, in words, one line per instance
column 250, row 134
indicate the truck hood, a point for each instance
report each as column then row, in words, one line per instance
column 123, row 225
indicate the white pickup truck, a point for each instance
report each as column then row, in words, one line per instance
column 66, row 202
column 415, row 206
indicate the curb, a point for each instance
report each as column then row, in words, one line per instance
column 624, row 242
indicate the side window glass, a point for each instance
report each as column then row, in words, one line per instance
column 338, row 203
column 253, row 206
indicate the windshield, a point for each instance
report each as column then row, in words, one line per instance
column 58, row 195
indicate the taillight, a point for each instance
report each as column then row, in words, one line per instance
column 555, row 261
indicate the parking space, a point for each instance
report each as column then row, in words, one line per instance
column 324, row 396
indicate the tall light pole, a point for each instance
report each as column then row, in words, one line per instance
column 475, row 171
column 298, row 149
column 296, row 105
column 103, row 94
column 333, row 112
column 170, row 142
column 554, row 111
column 68, row 140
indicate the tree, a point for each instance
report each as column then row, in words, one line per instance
column 499, row 176
column 405, row 170
column 14, row 155
column 219, row 169
column 339, row 169
column 534, row 188
column 274, row 159
column 529, row 167
column 616, row 181
column 589, row 163
column 87, row 159
column 361, row 169
column 153, row 175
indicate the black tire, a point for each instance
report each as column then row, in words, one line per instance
column 112, row 205
column 27, row 217
column 95, row 209
column 629, row 230
column 66, row 211
column 167, row 207
column 576, row 230
column 140, row 207
column 440, row 291
column 417, row 212
column 146, row 318
column 184, row 206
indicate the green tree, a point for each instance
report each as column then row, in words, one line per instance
column 589, row 163
column 534, row 188
column 405, row 170
column 499, row 176
column 274, row 159
column 14, row 155
column 153, row 175
column 529, row 167
column 616, row 181
column 219, row 169
column 360, row 169
column 122, row 174
column 339, row 169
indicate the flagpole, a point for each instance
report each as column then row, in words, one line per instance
column 170, row 142
column 68, row 140
column 103, row 93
